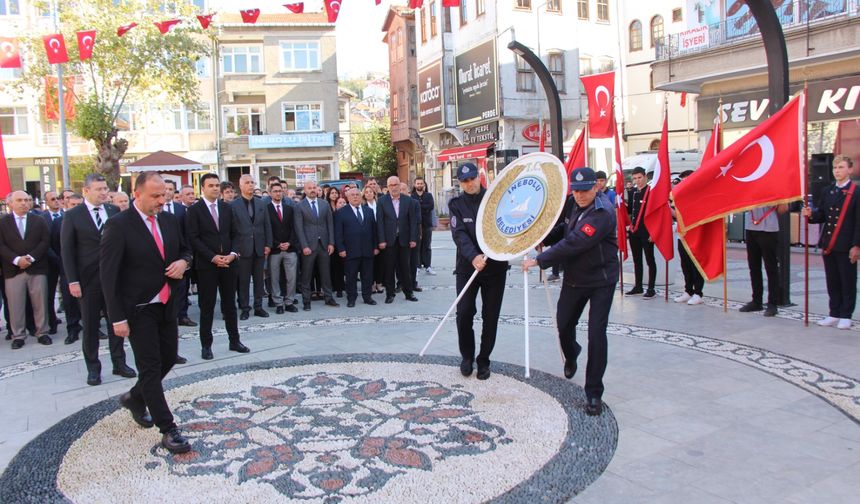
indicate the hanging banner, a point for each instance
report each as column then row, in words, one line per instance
column 477, row 84
column 521, row 206
column 430, row 98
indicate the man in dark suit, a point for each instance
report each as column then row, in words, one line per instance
column 24, row 241
column 53, row 213
column 255, row 236
column 70, row 303
column 80, row 239
column 215, row 261
column 143, row 258
column 315, row 229
column 355, row 238
column 397, row 230
column 284, row 245
column 414, row 253
column 179, row 210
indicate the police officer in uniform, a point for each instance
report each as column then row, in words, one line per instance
column 587, row 245
column 490, row 280
column 839, row 211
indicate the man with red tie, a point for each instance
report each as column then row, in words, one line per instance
column 143, row 259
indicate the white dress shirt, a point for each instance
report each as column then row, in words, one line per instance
column 23, row 230
column 102, row 213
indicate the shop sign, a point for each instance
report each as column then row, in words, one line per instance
column 291, row 140
column 430, row 98
column 305, row 173
column 828, row 100
column 48, row 161
column 447, row 140
column 532, row 133
column 477, row 84
column 695, row 38
column 481, row 134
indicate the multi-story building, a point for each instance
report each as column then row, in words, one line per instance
column 399, row 29
column 479, row 101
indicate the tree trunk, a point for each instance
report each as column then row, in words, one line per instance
column 109, row 152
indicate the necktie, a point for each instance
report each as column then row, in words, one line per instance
column 98, row 218
column 314, row 205
column 214, row 215
column 358, row 213
column 170, row 208
column 55, row 216
column 280, row 215
column 21, row 226
column 164, row 293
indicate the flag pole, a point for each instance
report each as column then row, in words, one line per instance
column 805, row 204
column 526, row 317
column 442, row 322
column 725, row 268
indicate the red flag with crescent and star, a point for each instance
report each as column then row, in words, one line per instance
column 86, row 41
column 295, row 8
column 332, row 8
column 705, row 243
column 658, row 214
column 764, row 167
column 10, row 54
column 577, row 156
column 55, row 47
column 165, row 26
column 600, row 89
column 206, row 20
column 122, row 30
column 5, row 184
column 249, row 16
column 622, row 217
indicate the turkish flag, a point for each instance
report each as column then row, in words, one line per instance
column 577, row 156
column 622, row 217
column 5, row 185
column 450, row 3
column 249, row 16
column 296, row 8
column 706, row 243
column 332, row 8
column 52, row 111
column 415, row 4
column 658, row 215
column 122, row 30
column 600, row 90
column 764, row 167
column 10, row 54
column 86, row 41
column 206, row 20
column 55, row 47
column 165, row 26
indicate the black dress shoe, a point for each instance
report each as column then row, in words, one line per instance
column 175, row 442
column 259, row 312
column 206, row 353
column 245, row 315
column 45, row 340
column 291, row 308
column 411, row 298
column 239, row 347
column 102, row 335
column 331, row 302
column 770, row 310
column 18, row 343
column 466, row 367
column 369, row 301
column 751, row 307
column 180, row 359
column 389, row 299
column 306, row 307
column 594, row 406
column 71, row 338
column 569, row 368
column 187, row 322
column 634, row 291
column 417, row 289
column 124, row 371
column 483, row 372
column 279, row 310
column 94, row 378
column 350, row 304
column 138, row 411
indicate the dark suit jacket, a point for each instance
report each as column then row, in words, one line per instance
column 35, row 243
column 283, row 231
column 312, row 230
column 358, row 239
column 388, row 224
column 54, row 252
column 207, row 241
column 180, row 211
column 80, row 244
column 132, row 269
column 253, row 235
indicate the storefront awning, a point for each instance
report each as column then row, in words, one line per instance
column 476, row 151
column 163, row 161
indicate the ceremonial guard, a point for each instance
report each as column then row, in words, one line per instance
column 839, row 211
column 490, row 280
column 586, row 244
column 640, row 240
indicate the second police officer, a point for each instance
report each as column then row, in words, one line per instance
column 490, row 280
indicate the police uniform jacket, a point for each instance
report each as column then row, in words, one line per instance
column 636, row 208
column 464, row 216
column 586, row 245
column 827, row 213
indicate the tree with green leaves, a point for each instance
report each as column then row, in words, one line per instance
column 373, row 152
column 143, row 65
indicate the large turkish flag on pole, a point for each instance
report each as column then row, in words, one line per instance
column 5, row 185
column 764, row 167
column 600, row 90
column 577, row 156
column 658, row 215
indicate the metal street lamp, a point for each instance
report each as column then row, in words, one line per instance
column 549, row 89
